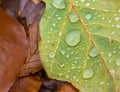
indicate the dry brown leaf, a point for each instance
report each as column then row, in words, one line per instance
column 57, row 86
column 32, row 13
column 30, row 83
column 13, row 49
column 11, row 7
column 67, row 88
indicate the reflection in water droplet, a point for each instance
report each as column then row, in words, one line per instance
column 88, row 73
column 73, row 38
column 118, row 62
column 88, row 16
column 93, row 52
column 51, row 55
column 73, row 17
column 59, row 4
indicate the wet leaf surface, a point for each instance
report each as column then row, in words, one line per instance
column 80, row 43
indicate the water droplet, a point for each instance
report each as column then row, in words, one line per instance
column 82, row 1
column 102, row 83
column 67, row 56
column 62, row 52
column 73, row 17
column 59, row 18
column 62, row 65
column 74, row 77
column 118, row 26
column 73, row 38
column 113, row 32
column 88, row 73
column 54, row 24
column 109, row 54
column 118, row 10
column 93, row 52
column 51, row 55
column 88, row 16
column 87, row 4
column 118, row 62
column 117, row 18
column 67, row 76
column 59, row 4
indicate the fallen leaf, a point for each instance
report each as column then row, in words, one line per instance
column 32, row 13
column 67, row 88
column 11, row 7
column 13, row 49
column 30, row 83
column 57, row 86
column 80, row 43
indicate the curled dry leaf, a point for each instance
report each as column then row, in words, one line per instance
column 13, row 49
column 29, row 15
column 17, row 49
column 30, row 83
column 32, row 12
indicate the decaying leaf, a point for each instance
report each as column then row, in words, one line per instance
column 19, row 52
column 32, row 12
column 57, row 86
column 80, row 43
column 11, row 7
column 13, row 49
column 30, row 83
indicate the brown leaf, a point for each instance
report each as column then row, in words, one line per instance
column 57, row 86
column 29, row 15
column 67, row 88
column 32, row 13
column 30, row 83
column 13, row 49
column 11, row 7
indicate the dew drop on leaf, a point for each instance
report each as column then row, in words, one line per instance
column 117, row 18
column 72, row 38
column 62, row 52
column 93, row 52
column 82, row 1
column 88, row 16
column 88, row 73
column 118, row 62
column 51, row 55
column 59, row 4
column 73, row 17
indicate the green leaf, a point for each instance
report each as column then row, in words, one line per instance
column 80, row 43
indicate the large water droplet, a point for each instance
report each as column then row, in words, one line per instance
column 93, row 52
column 59, row 4
column 73, row 17
column 88, row 73
column 88, row 16
column 72, row 38
column 118, row 62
